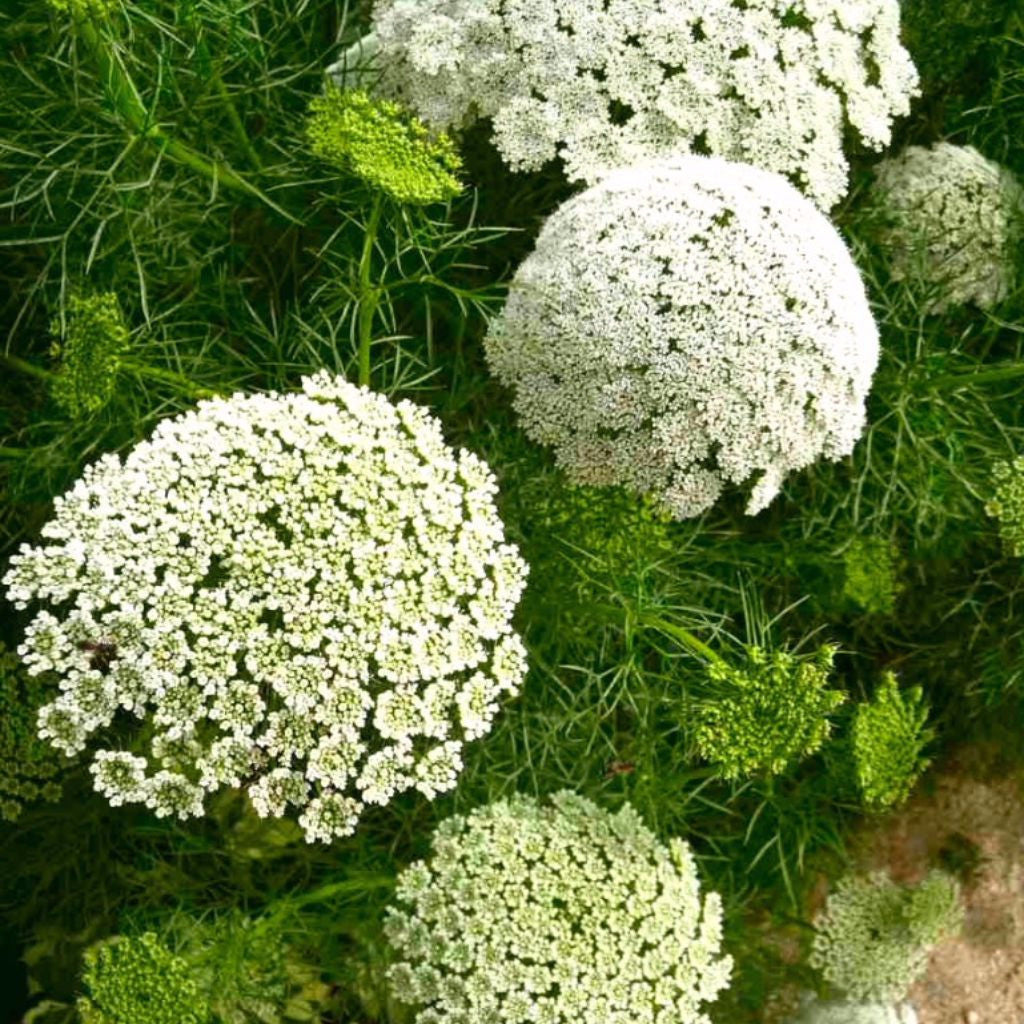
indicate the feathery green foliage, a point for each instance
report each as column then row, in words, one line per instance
column 874, row 937
column 387, row 147
column 886, row 739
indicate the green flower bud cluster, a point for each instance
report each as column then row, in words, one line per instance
column 389, row 149
column 94, row 338
column 1008, row 503
column 874, row 937
column 83, row 8
column 871, row 570
column 766, row 714
column 138, row 980
column 887, row 738
column 29, row 767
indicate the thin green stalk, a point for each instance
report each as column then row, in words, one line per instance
column 1006, row 371
column 229, row 107
column 171, row 377
column 128, row 103
column 14, row 453
column 24, row 366
column 369, row 294
column 684, row 636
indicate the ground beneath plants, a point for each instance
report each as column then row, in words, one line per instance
column 970, row 817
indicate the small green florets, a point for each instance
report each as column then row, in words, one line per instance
column 871, row 571
column 139, row 981
column 29, row 768
column 1008, row 503
column 389, row 149
column 767, row 713
column 887, row 738
column 83, row 8
column 95, row 336
column 874, row 937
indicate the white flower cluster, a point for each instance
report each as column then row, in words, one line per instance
column 306, row 594
column 955, row 219
column 607, row 83
column 530, row 914
column 687, row 323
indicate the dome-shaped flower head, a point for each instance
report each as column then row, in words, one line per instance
column 1007, row 502
column 377, row 141
column 555, row 914
column 306, row 594
column 607, row 84
column 686, row 324
column 954, row 221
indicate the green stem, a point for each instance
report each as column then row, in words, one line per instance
column 13, row 453
column 24, row 366
column 128, row 103
column 229, row 106
column 684, row 636
column 1006, row 371
column 369, row 294
column 171, row 377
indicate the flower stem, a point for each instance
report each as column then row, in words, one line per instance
column 952, row 381
column 683, row 636
column 369, row 294
column 127, row 102
column 171, row 377
column 24, row 366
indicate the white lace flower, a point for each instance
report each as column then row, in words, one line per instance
column 607, row 83
column 555, row 914
column 686, row 324
column 299, row 593
column 955, row 220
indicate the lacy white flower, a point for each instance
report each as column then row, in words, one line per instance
column 954, row 221
column 555, row 915
column 684, row 324
column 306, row 594
column 605, row 84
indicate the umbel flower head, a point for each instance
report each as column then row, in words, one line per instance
column 83, row 8
column 870, row 577
column 954, row 221
column 887, row 737
column 687, row 324
column 555, row 914
column 306, row 594
column 605, row 85
column 1007, row 504
column 90, row 346
column 388, row 148
column 29, row 770
column 764, row 715
column 138, row 980
column 873, row 940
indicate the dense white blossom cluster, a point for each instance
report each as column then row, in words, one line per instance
column 306, row 594
column 955, row 219
column 684, row 324
column 531, row 914
column 607, row 83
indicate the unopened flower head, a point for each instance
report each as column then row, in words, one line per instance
column 767, row 713
column 388, row 148
column 887, row 737
column 94, row 338
column 306, row 594
column 604, row 85
column 954, row 222
column 555, row 914
column 684, row 325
